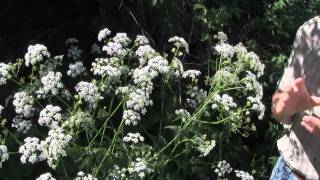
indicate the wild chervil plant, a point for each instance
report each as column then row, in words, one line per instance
column 135, row 114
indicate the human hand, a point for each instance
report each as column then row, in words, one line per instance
column 293, row 99
column 312, row 125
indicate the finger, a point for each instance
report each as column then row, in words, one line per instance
column 312, row 121
column 280, row 107
column 307, row 126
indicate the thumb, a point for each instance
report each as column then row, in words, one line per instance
column 315, row 100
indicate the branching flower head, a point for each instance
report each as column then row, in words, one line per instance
column 4, row 155
column 36, row 53
column 50, row 116
column 141, row 40
column 4, row 73
column 24, row 104
column 52, row 83
column 179, row 42
column 83, row 176
column 103, row 34
column 21, row 124
column 46, row 176
column 53, row 147
column 89, row 92
column 31, row 151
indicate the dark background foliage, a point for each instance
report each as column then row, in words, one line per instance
column 266, row 27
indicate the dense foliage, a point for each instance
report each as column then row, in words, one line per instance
column 143, row 106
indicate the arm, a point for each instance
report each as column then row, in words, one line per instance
column 293, row 99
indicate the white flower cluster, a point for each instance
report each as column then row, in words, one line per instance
column 131, row 117
column 89, row 92
column 50, row 116
column 36, row 53
column 46, row 176
column 76, row 69
column 179, row 42
column 4, row 155
column 116, row 173
column 1, row 109
column 224, row 76
column 51, row 83
column 21, row 124
column 193, row 74
column 103, row 34
column 31, row 151
column 135, row 138
column 53, row 147
column 252, row 84
column 114, row 49
column 4, row 73
column 243, row 175
column 144, row 53
column 95, row 49
column 183, row 114
column 23, row 104
column 73, row 50
column 197, row 96
column 79, row 119
column 176, row 68
column 122, row 38
column 257, row 105
column 141, row 40
column 204, row 146
column 223, row 168
column 249, row 58
column 139, row 100
column 225, row 50
column 110, row 67
column 83, row 176
column 225, row 101
column 221, row 36
column 139, row 167
column 51, row 64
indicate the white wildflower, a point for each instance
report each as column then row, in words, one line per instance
column 159, row 64
column 24, row 104
column 193, row 74
column 50, row 116
column 225, row 50
column 183, row 114
column 179, row 42
column 79, row 119
column 4, row 155
column 144, row 53
column 114, row 49
column 135, row 138
column 52, row 83
column 204, row 146
column 139, row 167
column 243, row 175
column 21, row 124
column 1, row 109
column 131, row 117
column 257, row 105
column 103, row 34
column 72, row 41
column 221, row 36
column 223, row 168
column 46, row 176
column 4, row 73
column 76, row 69
column 141, row 40
column 36, row 53
column 83, row 176
column 31, row 151
column 95, row 49
column 89, row 92
column 122, row 38
column 109, row 67
column 74, row 52
column 53, row 147
column 139, row 100
column 116, row 173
